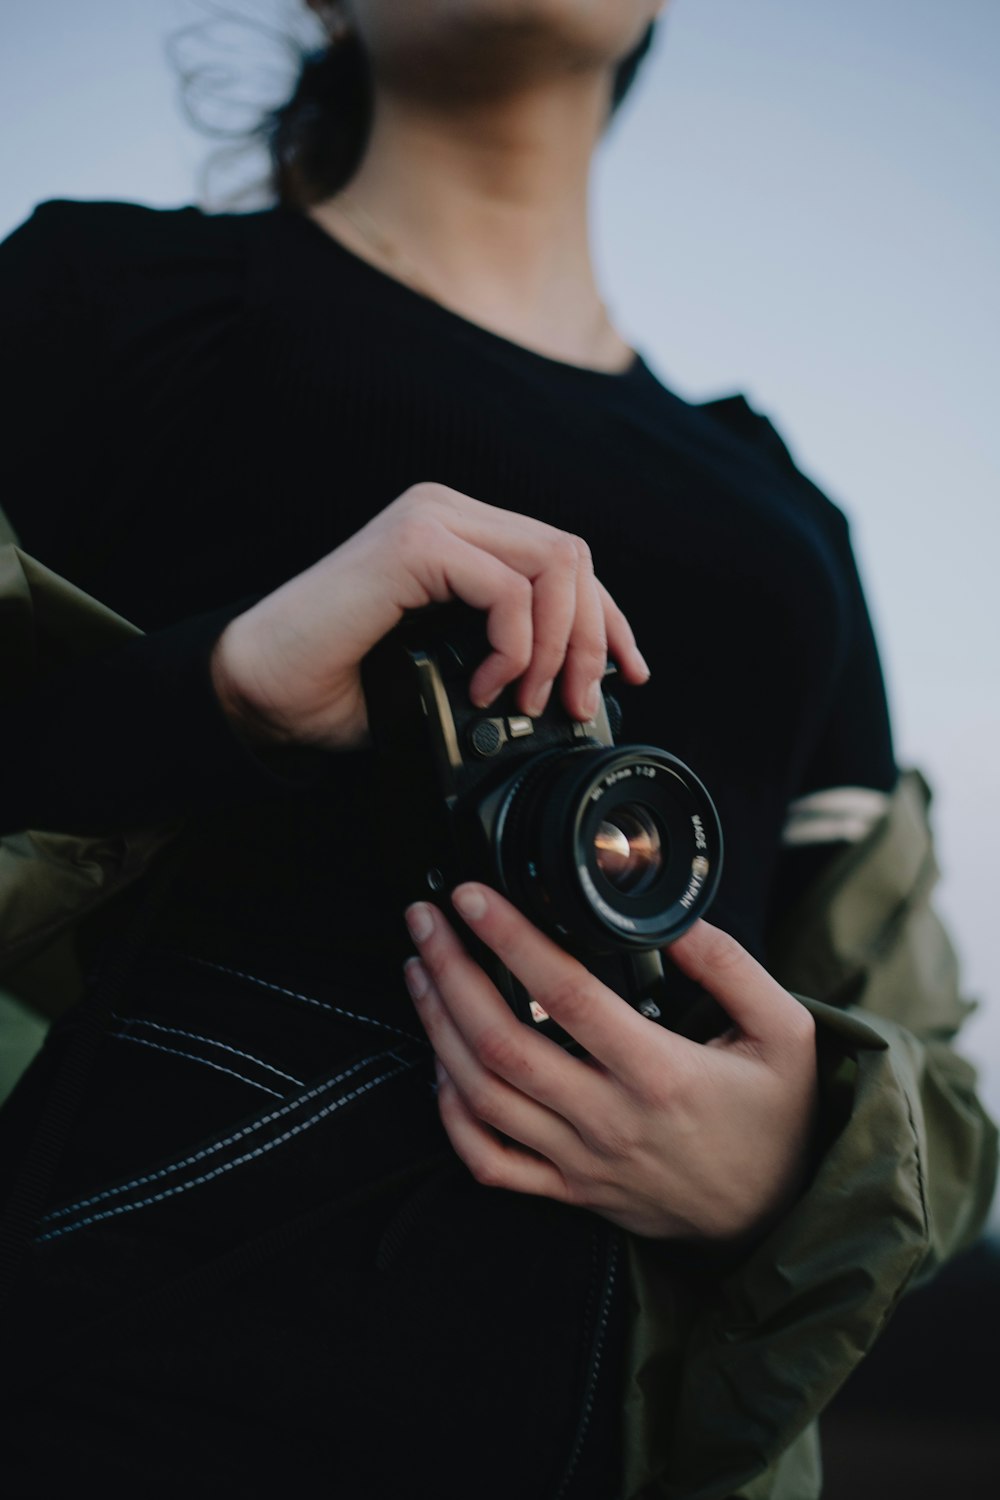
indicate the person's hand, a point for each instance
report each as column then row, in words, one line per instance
column 287, row 669
column 664, row 1136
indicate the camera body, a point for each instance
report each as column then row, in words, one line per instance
column 613, row 850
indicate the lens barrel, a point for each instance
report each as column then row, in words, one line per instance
column 610, row 847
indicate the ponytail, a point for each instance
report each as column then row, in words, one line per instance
column 318, row 137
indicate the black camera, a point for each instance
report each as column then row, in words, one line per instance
column 613, row 850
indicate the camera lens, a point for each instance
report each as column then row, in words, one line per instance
column 628, row 848
column 609, row 847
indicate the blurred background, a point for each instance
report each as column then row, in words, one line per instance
column 797, row 201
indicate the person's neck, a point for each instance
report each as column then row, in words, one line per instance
column 490, row 207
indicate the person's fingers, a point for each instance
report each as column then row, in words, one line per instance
column 455, row 569
column 491, row 1161
column 488, row 1096
column 290, row 662
column 609, row 1029
column 587, row 649
column 555, row 562
column 762, row 1010
column 622, row 646
column 527, row 1060
column 554, row 607
column 522, row 541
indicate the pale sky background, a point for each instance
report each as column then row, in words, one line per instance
column 800, row 201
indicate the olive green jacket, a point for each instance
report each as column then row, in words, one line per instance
column 731, row 1358
column 730, row 1364
column 48, row 881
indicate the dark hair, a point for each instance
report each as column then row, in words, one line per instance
column 317, row 138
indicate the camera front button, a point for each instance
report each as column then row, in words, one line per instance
column 486, row 737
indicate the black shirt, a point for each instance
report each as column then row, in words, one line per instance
column 204, row 405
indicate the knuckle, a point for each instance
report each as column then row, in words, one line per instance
column 569, row 997
column 615, row 1139
column 723, row 953
column 518, row 658
column 548, row 657
column 580, row 1192
column 481, row 1100
column 422, row 493
column 563, row 551
column 498, row 1051
column 519, row 591
column 591, row 653
column 662, row 1094
column 417, row 532
column 509, row 628
column 584, row 556
column 487, row 1171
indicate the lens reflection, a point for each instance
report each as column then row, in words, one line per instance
column 628, row 848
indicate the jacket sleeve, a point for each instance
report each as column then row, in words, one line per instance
column 746, row 1357
column 867, row 941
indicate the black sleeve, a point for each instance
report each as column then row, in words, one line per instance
column 840, row 793
column 854, row 744
column 52, row 363
column 853, row 747
column 851, row 752
column 136, row 734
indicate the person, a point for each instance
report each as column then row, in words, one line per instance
column 414, row 1263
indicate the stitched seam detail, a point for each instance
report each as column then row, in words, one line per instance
column 595, row 1368
column 141, row 1041
column 337, row 1010
column 206, row 1151
column 227, row 1166
column 132, row 1021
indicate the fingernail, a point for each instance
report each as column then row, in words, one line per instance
column 420, row 922
column 470, row 902
column 416, row 977
column 541, row 697
column 644, row 664
column 593, row 699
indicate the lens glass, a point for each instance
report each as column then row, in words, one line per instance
column 628, row 848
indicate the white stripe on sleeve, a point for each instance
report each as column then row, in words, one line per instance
column 839, row 814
